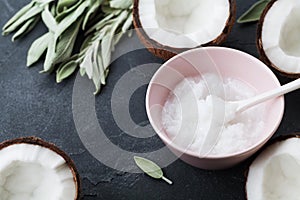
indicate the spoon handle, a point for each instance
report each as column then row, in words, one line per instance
column 289, row 87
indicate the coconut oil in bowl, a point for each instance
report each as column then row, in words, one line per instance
column 190, row 116
column 197, row 69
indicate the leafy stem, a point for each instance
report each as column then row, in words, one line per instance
column 65, row 19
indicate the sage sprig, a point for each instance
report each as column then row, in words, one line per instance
column 103, row 22
column 254, row 12
column 25, row 20
column 151, row 168
column 98, row 55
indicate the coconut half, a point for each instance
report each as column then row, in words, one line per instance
column 274, row 174
column 278, row 38
column 31, row 169
column 168, row 27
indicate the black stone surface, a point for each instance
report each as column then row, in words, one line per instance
column 32, row 104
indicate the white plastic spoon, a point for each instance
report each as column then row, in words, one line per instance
column 239, row 106
column 233, row 108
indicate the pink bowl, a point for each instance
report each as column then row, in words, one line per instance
column 225, row 62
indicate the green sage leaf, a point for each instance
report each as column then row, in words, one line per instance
column 121, row 4
column 37, row 49
column 53, row 10
column 94, row 6
column 98, row 67
column 18, row 15
column 108, row 39
column 31, row 26
column 254, row 12
column 100, row 24
column 33, row 11
column 102, row 71
column 117, row 39
column 62, row 14
column 107, row 9
column 86, row 43
column 63, row 5
column 50, row 56
column 150, row 168
column 82, row 71
column 87, row 63
column 127, row 23
column 28, row 26
column 49, row 20
column 106, row 50
column 91, row 66
column 66, row 70
column 66, row 42
column 70, row 19
column 61, row 49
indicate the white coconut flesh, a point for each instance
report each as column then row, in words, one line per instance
column 281, row 35
column 275, row 173
column 32, row 172
column 181, row 23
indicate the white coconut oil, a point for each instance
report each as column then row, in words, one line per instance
column 190, row 116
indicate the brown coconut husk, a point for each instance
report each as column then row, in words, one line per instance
column 52, row 147
column 167, row 52
column 259, row 44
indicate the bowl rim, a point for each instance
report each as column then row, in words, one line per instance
column 253, row 148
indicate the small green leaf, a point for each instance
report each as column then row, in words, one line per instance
column 86, row 43
column 60, row 49
column 98, row 65
column 18, row 15
column 82, row 71
column 49, row 20
column 37, row 49
column 26, row 28
column 254, row 13
column 50, row 56
column 117, row 39
column 66, row 42
column 127, row 24
column 61, row 15
column 107, row 9
column 94, row 6
column 31, row 26
column 63, row 5
column 106, row 50
column 121, row 4
column 53, row 10
column 35, row 10
column 66, row 70
column 87, row 63
column 150, row 168
column 107, row 41
column 102, row 71
column 100, row 24
column 70, row 19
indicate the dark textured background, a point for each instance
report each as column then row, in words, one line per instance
column 33, row 104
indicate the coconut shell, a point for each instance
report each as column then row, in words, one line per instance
column 167, row 52
column 259, row 44
column 270, row 143
column 52, row 147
